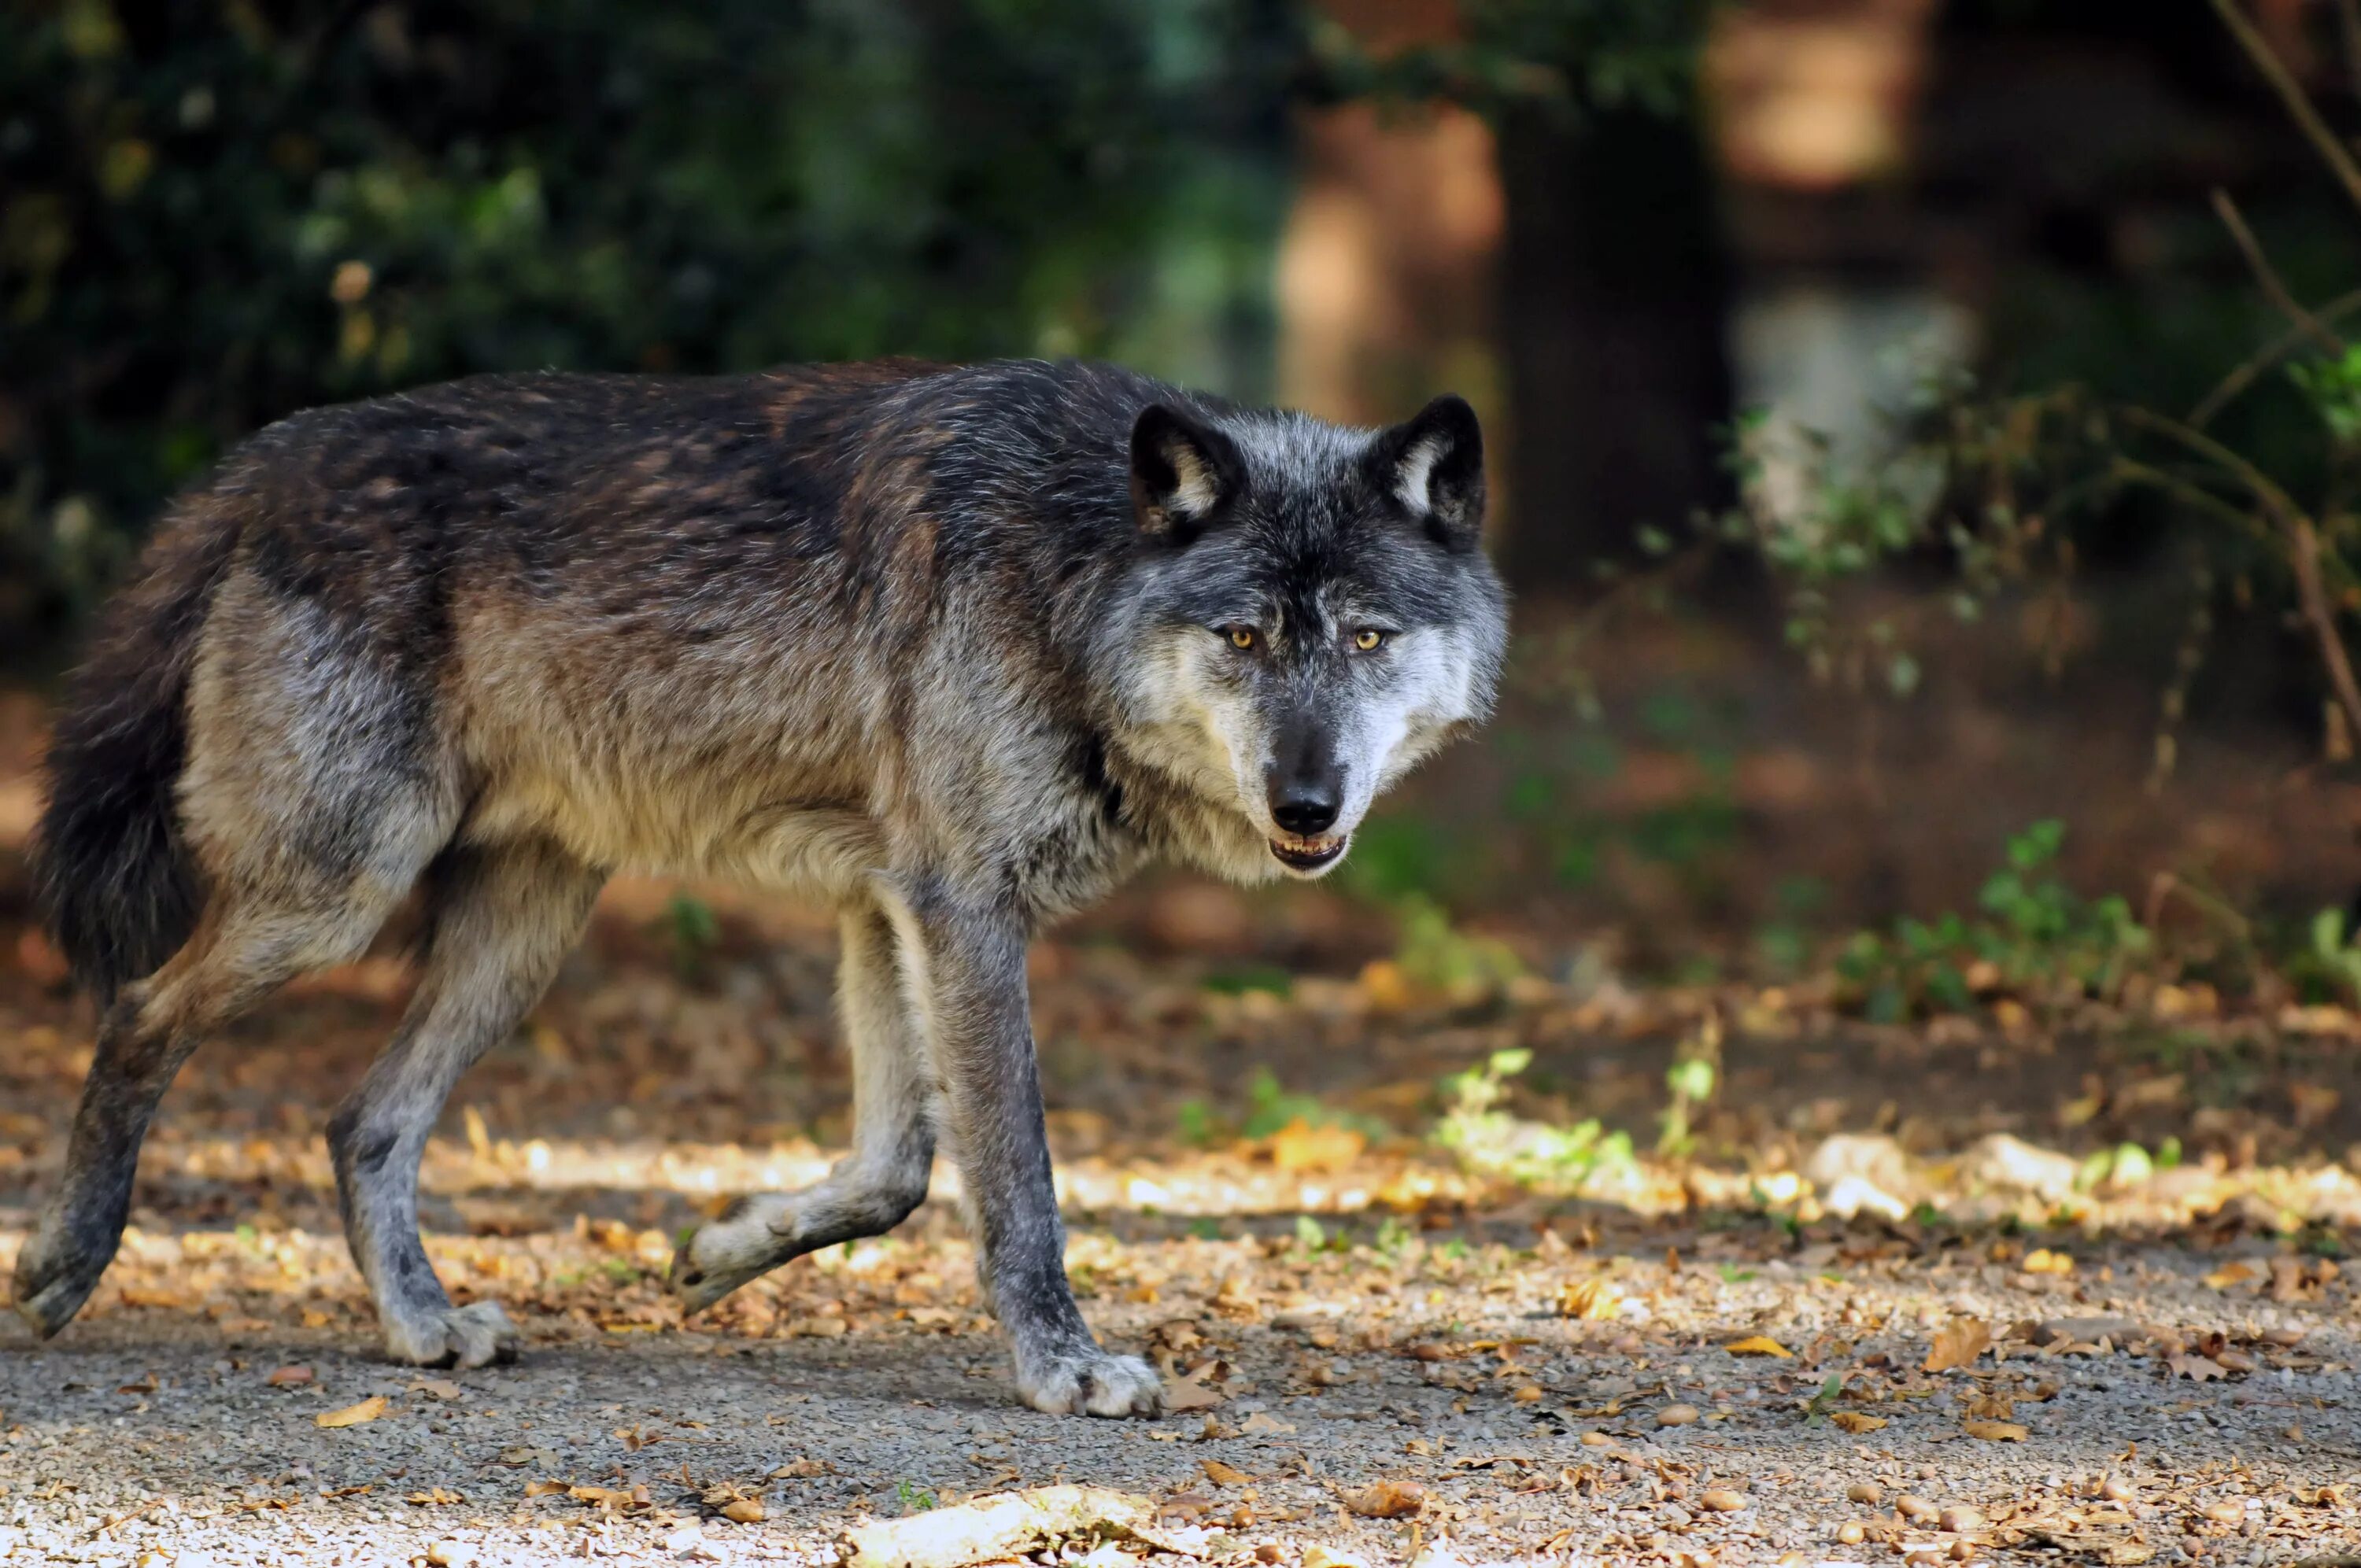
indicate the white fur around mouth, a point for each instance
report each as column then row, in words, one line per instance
column 1309, row 854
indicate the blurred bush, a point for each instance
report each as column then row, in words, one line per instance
column 213, row 214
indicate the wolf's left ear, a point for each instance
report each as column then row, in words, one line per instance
column 1434, row 464
column 1184, row 473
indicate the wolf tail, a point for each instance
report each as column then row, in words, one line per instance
column 111, row 870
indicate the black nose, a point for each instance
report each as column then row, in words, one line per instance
column 1305, row 806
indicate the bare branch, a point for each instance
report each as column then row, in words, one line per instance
column 2267, row 276
column 2292, row 94
column 2232, row 386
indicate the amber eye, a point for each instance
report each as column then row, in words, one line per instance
column 1367, row 640
column 1241, row 636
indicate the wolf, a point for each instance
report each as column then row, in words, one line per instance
column 950, row 648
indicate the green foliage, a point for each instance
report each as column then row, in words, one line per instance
column 212, row 215
column 694, row 931
column 1486, row 1138
column 1238, row 979
column 1435, row 954
column 2332, row 388
column 2035, row 939
column 2329, row 965
column 1569, row 59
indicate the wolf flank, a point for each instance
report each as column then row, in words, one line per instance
column 951, row 649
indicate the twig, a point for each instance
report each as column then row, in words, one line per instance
column 2233, row 386
column 2292, row 94
column 2321, row 618
column 2267, row 276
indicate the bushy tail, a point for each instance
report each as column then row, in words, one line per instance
column 111, row 871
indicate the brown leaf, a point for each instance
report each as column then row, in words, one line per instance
column 441, row 1388
column 543, row 1488
column 800, row 1469
column 1854, row 1421
column 742, row 1510
column 1222, row 1474
column 2196, row 1368
column 1299, row 1146
column 1190, row 1394
column 1595, row 1300
column 1759, row 1344
column 1997, row 1431
column 369, row 1409
column 1386, row 1500
column 1958, row 1343
column 289, row 1377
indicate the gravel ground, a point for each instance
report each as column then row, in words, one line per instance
column 149, row 1435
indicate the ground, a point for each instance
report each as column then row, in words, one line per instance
column 1346, row 1307
column 2022, row 1275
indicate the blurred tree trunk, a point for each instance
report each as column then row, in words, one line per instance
column 1615, row 298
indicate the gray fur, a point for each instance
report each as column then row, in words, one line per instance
column 952, row 650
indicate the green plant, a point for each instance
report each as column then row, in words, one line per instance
column 1691, row 1079
column 1486, row 1138
column 2329, row 965
column 693, row 932
column 2035, row 939
column 912, row 1500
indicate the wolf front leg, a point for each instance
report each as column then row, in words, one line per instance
column 968, row 962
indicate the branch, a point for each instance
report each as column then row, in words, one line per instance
column 2233, row 386
column 2321, row 618
column 2348, row 16
column 2292, row 94
column 2267, row 276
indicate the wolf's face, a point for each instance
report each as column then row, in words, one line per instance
column 1313, row 616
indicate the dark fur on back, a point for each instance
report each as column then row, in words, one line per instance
column 111, row 870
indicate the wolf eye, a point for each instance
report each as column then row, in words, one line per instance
column 1368, row 639
column 1240, row 636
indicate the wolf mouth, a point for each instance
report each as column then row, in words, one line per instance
column 1308, row 855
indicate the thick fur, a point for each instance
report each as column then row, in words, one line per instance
column 952, row 649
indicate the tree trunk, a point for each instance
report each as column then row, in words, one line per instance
column 1614, row 306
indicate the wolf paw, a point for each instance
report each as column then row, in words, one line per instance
column 52, row 1282
column 473, row 1335
column 1092, row 1383
column 745, row 1243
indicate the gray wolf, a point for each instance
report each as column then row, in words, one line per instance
column 950, row 648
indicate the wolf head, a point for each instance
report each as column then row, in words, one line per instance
column 1311, row 614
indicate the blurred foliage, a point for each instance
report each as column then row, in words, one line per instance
column 1566, row 59
column 212, row 215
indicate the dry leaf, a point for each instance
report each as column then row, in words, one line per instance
column 369, row 1409
column 2196, row 1368
column 1262, row 1424
column 1676, row 1415
column 1759, row 1344
column 1593, row 1300
column 1189, row 1393
column 742, row 1510
column 1997, row 1431
column 1854, row 1421
column 1721, row 1500
column 801, row 1469
column 2041, row 1260
column 289, row 1377
column 543, row 1488
column 1386, row 1500
column 2230, row 1274
column 1958, row 1343
column 1299, row 1146
column 441, row 1388
column 1222, row 1474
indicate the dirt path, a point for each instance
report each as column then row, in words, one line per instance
column 149, row 1430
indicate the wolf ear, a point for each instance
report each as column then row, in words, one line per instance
column 1183, row 473
column 1434, row 464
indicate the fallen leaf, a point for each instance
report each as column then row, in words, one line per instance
column 801, row 1469
column 742, row 1510
column 1189, row 1393
column 2230, row 1274
column 1262, row 1424
column 1595, row 1300
column 1386, row 1500
column 1222, row 1474
column 441, row 1388
column 1997, row 1431
column 1854, row 1421
column 1299, row 1146
column 543, row 1488
column 1676, row 1415
column 1759, row 1344
column 2196, row 1368
column 1958, row 1343
column 289, row 1377
column 2041, row 1260
column 369, row 1409
column 1721, row 1500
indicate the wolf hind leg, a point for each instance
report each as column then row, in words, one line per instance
column 244, row 948
column 501, row 921
column 885, row 1178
